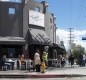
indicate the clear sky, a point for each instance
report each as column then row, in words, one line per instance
column 69, row 13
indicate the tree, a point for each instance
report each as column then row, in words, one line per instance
column 77, row 49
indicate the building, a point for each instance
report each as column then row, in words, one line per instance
column 12, row 40
column 50, row 28
column 26, row 26
column 37, row 37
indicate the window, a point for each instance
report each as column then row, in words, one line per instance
column 37, row 9
column 50, row 20
column 11, row 10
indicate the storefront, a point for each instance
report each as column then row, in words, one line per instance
column 12, row 47
column 55, row 50
column 38, row 39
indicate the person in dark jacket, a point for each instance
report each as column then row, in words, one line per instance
column 81, row 60
column 71, row 60
column 4, row 62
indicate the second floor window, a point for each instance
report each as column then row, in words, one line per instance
column 11, row 11
column 37, row 9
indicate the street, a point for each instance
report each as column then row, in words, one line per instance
column 78, row 78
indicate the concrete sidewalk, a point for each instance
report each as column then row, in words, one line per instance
column 50, row 73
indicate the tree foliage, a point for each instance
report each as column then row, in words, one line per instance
column 77, row 49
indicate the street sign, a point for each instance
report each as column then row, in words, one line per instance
column 83, row 38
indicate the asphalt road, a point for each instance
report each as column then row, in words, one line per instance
column 78, row 78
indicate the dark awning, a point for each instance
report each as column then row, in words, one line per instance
column 62, row 47
column 57, row 46
column 37, row 36
column 12, row 40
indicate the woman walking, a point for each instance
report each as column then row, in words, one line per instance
column 37, row 61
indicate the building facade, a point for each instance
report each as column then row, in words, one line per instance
column 11, row 29
column 26, row 26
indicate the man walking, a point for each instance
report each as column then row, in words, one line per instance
column 84, row 57
column 71, row 60
column 81, row 60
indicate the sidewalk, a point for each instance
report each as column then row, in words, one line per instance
column 50, row 73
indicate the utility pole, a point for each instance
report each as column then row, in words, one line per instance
column 71, row 39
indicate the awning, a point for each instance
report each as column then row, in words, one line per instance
column 57, row 46
column 37, row 36
column 61, row 47
column 12, row 41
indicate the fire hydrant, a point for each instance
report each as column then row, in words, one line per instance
column 43, row 67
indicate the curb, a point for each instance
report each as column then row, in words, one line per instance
column 39, row 75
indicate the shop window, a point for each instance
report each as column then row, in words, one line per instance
column 11, row 10
column 11, row 52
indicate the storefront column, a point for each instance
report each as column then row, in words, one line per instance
column 25, row 51
column 0, row 52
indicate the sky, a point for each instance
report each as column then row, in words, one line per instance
column 19, row 1
column 69, row 14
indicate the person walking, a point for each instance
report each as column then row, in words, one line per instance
column 37, row 61
column 84, row 57
column 71, row 60
column 62, row 61
column 81, row 60
column 45, row 58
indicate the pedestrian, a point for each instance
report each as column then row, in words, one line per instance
column 37, row 61
column 63, row 61
column 84, row 57
column 71, row 60
column 45, row 58
column 5, row 63
column 22, row 60
column 81, row 60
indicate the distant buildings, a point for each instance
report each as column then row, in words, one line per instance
column 26, row 26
